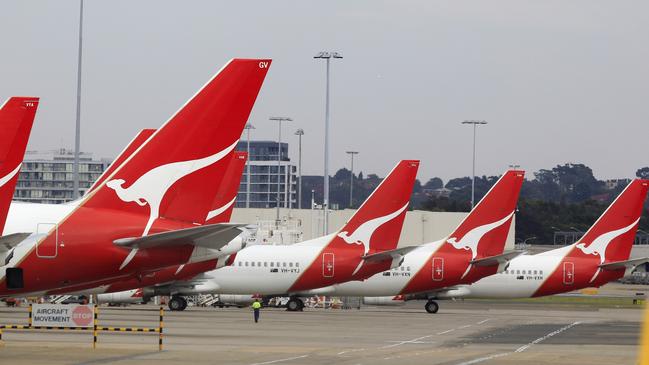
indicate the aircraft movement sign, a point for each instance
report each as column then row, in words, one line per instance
column 62, row 315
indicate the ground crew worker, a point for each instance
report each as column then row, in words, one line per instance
column 256, row 306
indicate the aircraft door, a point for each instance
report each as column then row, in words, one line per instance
column 568, row 273
column 438, row 268
column 328, row 265
column 47, row 248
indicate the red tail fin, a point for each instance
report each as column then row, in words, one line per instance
column 377, row 223
column 224, row 202
column 612, row 235
column 167, row 175
column 484, row 231
column 16, row 119
column 138, row 141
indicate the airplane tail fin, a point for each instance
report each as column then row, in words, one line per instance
column 611, row 237
column 16, row 120
column 484, row 231
column 138, row 141
column 167, row 176
column 378, row 222
column 223, row 204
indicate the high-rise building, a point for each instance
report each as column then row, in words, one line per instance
column 264, row 174
column 48, row 177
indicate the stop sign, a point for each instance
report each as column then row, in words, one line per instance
column 82, row 315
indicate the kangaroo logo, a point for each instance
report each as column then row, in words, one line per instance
column 216, row 212
column 150, row 188
column 472, row 238
column 364, row 232
column 600, row 244
column 9, row 176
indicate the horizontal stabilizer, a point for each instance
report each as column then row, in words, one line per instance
column 12, row 240
column 616, row 265
column 388, row 255
column 496, row 260
column 213, row 236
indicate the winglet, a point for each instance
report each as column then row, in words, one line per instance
column 382, row 214
column 491, row 218
column 16, row 120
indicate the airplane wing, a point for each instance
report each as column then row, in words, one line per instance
column 389, row 254
column 496, row 260
column 213, row 236
column 628, row 264
column 11, row 240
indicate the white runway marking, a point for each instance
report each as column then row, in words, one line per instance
column 484, row 321
column 522, row 348
column 399, row 343
column 445, row 332
column 463, row 327
column 348, row 351
column 280, row 360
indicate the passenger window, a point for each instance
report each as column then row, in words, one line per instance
column 518, row 272
column 408, row 268
column 541, row 272
column 283, row 264
column 297, row 264
column 259, row 263
column 252, row 264
column 265, row 264
column 272, row 264
column 534, row 272
column 290, row 264
column 246, row 263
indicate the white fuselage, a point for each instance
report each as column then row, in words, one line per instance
column 523, row 277
column 35, row 218
column 262, row 269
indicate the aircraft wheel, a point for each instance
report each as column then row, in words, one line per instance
column 294, row 305
column 177, row 303
column 431, row 306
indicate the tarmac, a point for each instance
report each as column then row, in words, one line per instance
column 462, row 333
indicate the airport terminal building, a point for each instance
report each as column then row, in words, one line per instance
column 48, row 176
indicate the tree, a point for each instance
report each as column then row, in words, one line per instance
column 643, row 173
column 434, row 183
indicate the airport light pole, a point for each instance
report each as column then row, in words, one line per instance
column 327, row 56
column 475, row 123
column 77, row 133
column 299, row 133
column 279, row 156
column 351, row 179
column 248, row 127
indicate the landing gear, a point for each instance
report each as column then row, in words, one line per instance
column 294, row 305
column 177, row 303
column 431, row 306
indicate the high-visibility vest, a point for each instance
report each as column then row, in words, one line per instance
column 256, row 305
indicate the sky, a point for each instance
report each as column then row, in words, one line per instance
column 557, row 81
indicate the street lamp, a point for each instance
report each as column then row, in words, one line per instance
column 299, row 133
column 351, row 179
column 248, row 127
column 475, row 123
column 279, row 155
column 77, row 134
column 327, row 56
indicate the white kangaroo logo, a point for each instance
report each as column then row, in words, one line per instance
column 151, row 187
column 219, row 210
column 600, row 244
column 364, row 232
column 9, row 176
column 472, row 238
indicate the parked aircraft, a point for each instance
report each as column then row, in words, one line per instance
column 471, row 252
column 149, row 214
column 364, row 246
column 599, row 257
